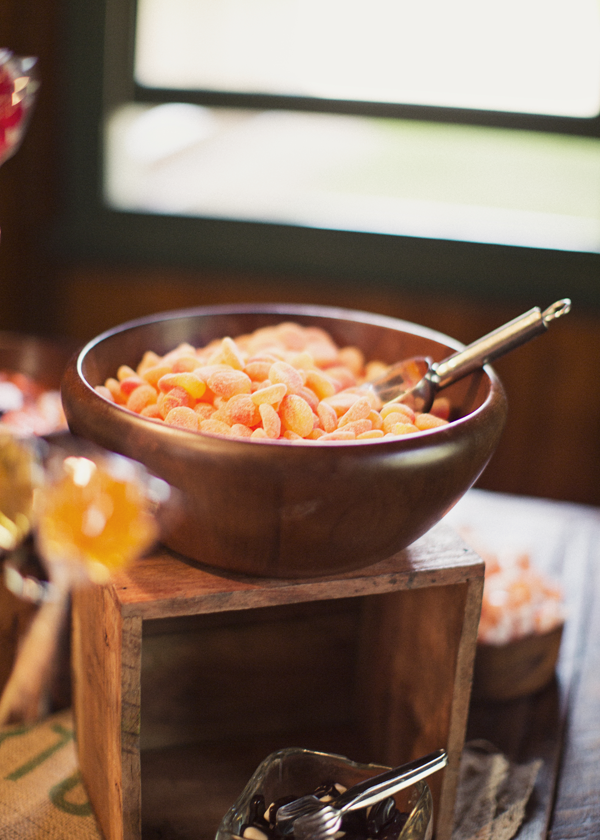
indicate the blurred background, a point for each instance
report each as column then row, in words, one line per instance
column 438, row 164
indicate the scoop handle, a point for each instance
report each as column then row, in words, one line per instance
column 378, row 787
column 496, row 344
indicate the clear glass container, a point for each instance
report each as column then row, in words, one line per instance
column 296, row 771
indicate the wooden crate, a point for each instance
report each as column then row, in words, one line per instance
column 184, row 679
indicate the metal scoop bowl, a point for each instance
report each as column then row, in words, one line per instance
column 415, row 382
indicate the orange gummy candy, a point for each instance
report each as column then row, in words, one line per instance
column 322, row 384
column 272, row 394
column 328, row 416
column 429, row 421
column 281, row 372
column 184, row 417
column 175, row 397
column 227, row 383
column 141, row 397
column 359, row 410
column 270, row 420
column 129, row 384
column 296, row 415
column 186, row 380
column 241, row 408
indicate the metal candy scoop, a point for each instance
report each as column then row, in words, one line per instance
column 310, row 818
column 415, row 382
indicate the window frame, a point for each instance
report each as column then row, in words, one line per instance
column 89, row 229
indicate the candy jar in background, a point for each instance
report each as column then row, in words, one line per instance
column 92, row 514
column 18, row 88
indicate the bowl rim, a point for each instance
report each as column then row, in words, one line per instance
column 286, row 310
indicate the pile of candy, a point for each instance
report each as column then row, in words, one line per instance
column 518, row 600
column 284, row 382
column 382, row 821
column 28, row 408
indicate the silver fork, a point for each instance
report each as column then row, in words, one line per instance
column 310, row 818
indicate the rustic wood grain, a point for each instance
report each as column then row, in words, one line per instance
column 416, row 690
column 259, row 671
column 238, row 635
column 166, row 584
column 104, row 696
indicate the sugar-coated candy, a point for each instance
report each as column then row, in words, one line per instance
column 259, row 432
column 241, row 408
column 151, row 410
column 149, row 360
column 358, row 427
column 282, row 372
column 338, row 434
column 129, row 384
column 228, row 353
column 398, row 408
column 371, row 435
column 518, row 599
column 173, row 398
column 241, row 430
column 359, row 410
column 126, row 372
column 183, row 417
column 272, row 394
column 428, row 421
column 215, row 427
column 310, row 397
column 322, row 384
column 342, row 376
column 187, row 380
column 328, row 416
column 296, row 415
column 270, row 420
column 141, row 397
column 185, row 364
column 204, row 410
column 227, row 383
column 284, row 382
column 155, row 372
column 393, row 419
column 403, row 429
column 114, row 386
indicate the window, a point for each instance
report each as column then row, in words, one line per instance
column 334, row 136
column 527, row 56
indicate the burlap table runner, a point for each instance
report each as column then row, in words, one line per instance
column 42, row 797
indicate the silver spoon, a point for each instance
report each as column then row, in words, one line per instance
column 310, row 818
column 415, row 382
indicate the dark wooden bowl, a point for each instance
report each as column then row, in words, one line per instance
column 282, row 509
column 517, row 668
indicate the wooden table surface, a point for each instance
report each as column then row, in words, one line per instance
column 561, row 724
